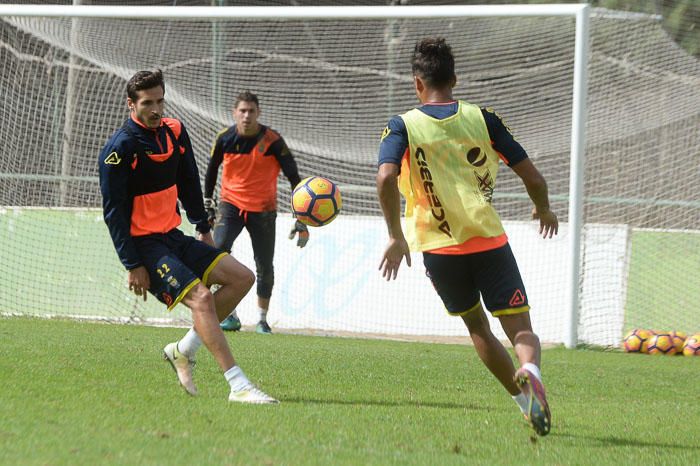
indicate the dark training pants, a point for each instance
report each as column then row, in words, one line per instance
column 261, row 228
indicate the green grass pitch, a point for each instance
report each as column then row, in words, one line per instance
column 78, row 393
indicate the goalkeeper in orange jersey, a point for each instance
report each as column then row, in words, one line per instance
column 445, row 154
column 252, row 155
column 145, row 167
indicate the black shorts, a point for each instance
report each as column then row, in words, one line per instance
column 175, row 262
column 460, row 279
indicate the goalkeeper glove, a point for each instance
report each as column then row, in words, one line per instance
column 303, row 233
column 210, row 208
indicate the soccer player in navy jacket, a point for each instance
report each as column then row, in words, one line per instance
column 145, row 167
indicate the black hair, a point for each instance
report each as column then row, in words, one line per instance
column 144, row 80
column 433, row 62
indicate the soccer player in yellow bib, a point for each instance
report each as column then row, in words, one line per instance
column 445, row 154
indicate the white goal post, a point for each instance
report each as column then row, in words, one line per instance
column 580, row 12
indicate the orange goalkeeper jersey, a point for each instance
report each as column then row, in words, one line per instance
column 251, row 165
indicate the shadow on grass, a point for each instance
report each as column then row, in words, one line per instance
column 414, row 404
column 625, row 442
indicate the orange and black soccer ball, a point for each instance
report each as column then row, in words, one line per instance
column 661, row 343
column 635, row 341
column 316, row 201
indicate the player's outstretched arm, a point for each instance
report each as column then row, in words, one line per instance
column 390, row 201
column 537, row 190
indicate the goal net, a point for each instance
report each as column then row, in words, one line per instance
column 329, row 86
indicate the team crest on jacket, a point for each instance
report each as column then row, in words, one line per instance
column 113, row 159
column 385, row 133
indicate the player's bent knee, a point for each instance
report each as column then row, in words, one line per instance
column 527, row 336
column 231, row 272
column 245, row 277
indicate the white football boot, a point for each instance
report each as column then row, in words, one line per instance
column 182, row 366
column 251, row 394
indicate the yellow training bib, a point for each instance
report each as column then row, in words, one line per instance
column 448, row 179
